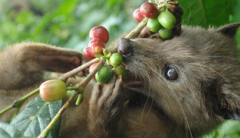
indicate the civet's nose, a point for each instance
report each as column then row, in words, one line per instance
column 124, row 47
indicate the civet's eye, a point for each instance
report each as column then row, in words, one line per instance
column 171, row 73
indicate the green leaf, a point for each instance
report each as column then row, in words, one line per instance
column 205, row 13
column 8, row 131
column 98, row 55
column 229, row 129
column 236, row 18
column 36, row 116
column 236, row 11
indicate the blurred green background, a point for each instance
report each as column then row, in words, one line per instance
column 66, row 23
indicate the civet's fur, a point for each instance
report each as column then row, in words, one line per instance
column 205, row 93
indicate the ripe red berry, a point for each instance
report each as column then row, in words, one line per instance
column 99, row 32
column 148, row 10
column 138, row 17
column 92, row 67
column 87, row 53
column 96, row 46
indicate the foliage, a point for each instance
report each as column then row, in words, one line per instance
column 62, row 22
column 32, row 120
column 66, row 23
column 230, row 129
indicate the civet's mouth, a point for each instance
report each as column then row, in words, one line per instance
column 133, row 82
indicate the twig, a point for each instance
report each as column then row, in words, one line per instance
column 18, row 103
column 6, row 109
column 15, row 113
column 79, row 99
column 137, row 29
column 80, row 89
column 134, row 33
column 71, row 73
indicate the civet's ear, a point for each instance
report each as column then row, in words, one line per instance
column 228, row 103
column 229, row 29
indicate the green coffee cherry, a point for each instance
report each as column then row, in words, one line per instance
column 153, row 25
column 165, row 33
column 167, row 19
column 104, row 74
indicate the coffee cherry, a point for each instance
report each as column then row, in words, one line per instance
column 70, row 93
column 99, row 32
column 92, row 67
column 137, row 16
column 153, row 25
column 115, row 59
column 96, row 46
column 165, row 33
column 167, row 19
column 120, row 70
column 148, row 10
column 52, row 90
column 87, row 53
column 104, row 74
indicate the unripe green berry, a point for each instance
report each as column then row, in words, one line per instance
column 153, row 25
column 165, row 33
column 115, row 59
column 167, row 19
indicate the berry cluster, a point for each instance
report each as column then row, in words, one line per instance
column 113, row 66
column 99, row 36
column 161, row 21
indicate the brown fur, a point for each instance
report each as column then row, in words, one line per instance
column 22, row 67
column 204, row 95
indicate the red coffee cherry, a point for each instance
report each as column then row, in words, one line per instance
column 96, row 46
column 137, row 16
column 99, row 32
column 92, row 67
column 149, row 10
column 87, row 53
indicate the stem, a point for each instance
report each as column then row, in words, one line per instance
column 71, row 73
column 137, row 29
column 81, row 87
column 134, row 32
column 5, row 109
column 84, row 83
column 18, row 103
column 16, row 112
column 46, row 131
column 79, row 99
column 71, row 88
